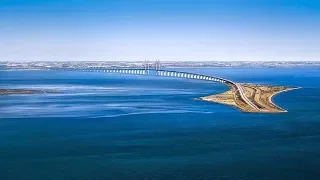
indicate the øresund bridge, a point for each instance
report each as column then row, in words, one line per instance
column 166, row 73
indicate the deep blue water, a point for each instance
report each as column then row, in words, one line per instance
column 141, row 127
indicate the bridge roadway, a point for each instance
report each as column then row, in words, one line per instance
column 244, row 97
column 167, row 73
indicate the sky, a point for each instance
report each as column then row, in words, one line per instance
column 169, row 30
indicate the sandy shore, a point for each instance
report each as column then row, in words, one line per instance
column 274, row 94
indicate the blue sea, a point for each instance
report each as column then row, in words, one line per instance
column 127, row 127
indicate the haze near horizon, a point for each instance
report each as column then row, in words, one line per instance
column 170, row 30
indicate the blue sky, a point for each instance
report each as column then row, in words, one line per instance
column 182, row 30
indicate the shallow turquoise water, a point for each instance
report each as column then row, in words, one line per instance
column 142, row 127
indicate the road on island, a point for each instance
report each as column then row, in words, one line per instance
column 244, row 97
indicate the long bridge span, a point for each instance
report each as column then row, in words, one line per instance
column 167, row 73
column 163, row 73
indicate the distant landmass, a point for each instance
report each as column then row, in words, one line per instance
column 39, row 65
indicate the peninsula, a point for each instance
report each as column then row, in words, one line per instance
column 249, row 97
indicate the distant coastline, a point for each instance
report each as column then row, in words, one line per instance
column 44, row 65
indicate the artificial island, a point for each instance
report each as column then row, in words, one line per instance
column 249, row 97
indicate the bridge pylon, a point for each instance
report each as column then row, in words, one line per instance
column 157, row 65
column 146, row 66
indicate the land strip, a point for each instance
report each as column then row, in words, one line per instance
column 24, row 91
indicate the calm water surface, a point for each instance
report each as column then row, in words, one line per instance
column 142, row 127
